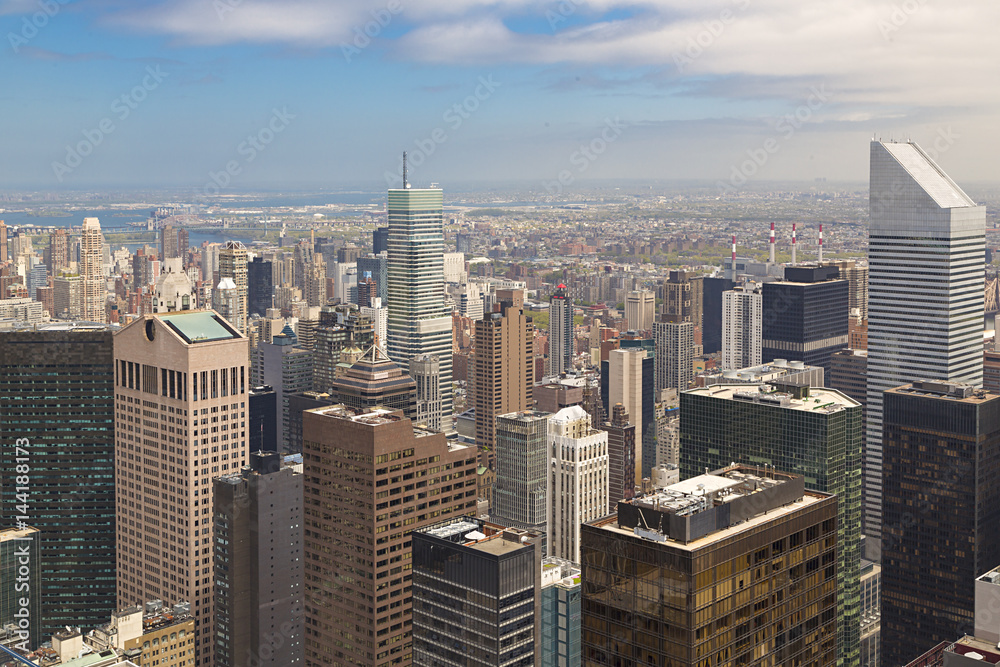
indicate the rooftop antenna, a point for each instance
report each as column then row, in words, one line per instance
column 405, row 184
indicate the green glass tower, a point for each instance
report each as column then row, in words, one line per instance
column 57, row 412
column 419, row 321
column 806, row 431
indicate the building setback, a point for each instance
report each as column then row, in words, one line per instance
column 752, row 575
column 941, row 445
column 57, row 388
column 371, row 479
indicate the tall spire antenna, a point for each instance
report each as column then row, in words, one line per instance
column 404, row 170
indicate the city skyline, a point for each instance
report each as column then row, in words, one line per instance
column 175, row 93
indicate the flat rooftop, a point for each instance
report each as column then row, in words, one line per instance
column 200, row 326
column 819, row 399
column 951, row 391
column 971, row 647
column 810, row 498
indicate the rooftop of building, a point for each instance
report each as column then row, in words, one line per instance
column 953, row 391
column 976, row 649
column 199, row 326
column 928, row 175
column 482, row 535
column 772, row 495
column 18, row 534
column 560, row 572
column 813, row 399
column 378, row 416
column 753, row 373
column 525, row 416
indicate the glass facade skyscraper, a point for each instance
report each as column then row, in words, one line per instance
column 560, row 623
column 560, row 331
column 419, row 321
column 941, row 512
column 56, row 384
column 476, row 595
column 749, row 581
column 522, row 444
column 926, row 248
column 805, row 431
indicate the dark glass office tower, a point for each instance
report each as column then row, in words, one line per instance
column 259, row 286
column 941, row 509
column 812, row 432
column 711, row 328
column 739, row 571
column 805, row 317
column 380, row 240
column 56, row 384
column 262, row 411
column 476, row 595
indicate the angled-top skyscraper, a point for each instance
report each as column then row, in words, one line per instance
column 925, row 319
column 419, row 321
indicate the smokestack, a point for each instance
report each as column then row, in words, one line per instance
column 733, row 268
column 793, row 243
column 821, row 244
column 772, row 243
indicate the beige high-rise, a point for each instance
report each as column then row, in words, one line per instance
column 92, row 271
column 625, row 387
column 181, row 383
column 233, row 264
column 503, row 375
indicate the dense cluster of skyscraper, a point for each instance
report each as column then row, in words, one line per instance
column 324, row 456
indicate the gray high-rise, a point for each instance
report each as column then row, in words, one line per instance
column 925, row 297
column 519, row 498
column 419, row 321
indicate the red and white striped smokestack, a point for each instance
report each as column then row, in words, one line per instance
column 821, row 244
column 793, row 243
column 733, row 270
column 772, row 243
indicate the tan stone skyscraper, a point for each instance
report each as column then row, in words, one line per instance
column 371, row 478
column 233, row 264
column 502, row 372
column 92, row 271
column 181, row 386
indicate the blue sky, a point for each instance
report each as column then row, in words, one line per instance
column 293, row 94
